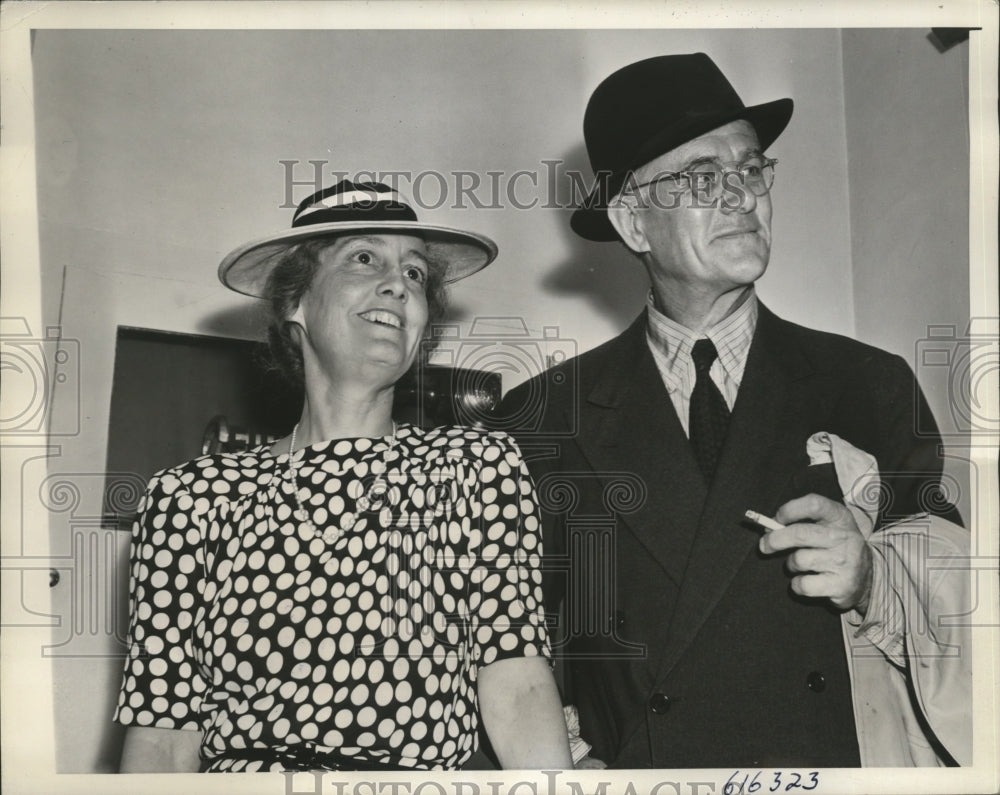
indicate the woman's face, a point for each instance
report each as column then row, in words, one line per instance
column 365, row 312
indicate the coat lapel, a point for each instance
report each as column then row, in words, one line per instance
column 753, row 465
column 628, row 425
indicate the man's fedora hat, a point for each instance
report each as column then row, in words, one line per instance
column 650, row 107
column 354, row 208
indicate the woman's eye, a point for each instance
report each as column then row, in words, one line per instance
column 416, row 274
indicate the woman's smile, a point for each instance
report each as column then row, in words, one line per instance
column 383, row 317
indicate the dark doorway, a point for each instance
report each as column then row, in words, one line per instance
column 168, row 389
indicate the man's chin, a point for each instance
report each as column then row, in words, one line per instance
column 745, row 269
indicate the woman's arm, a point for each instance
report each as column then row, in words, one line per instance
column 523, row 715
column 150, row 750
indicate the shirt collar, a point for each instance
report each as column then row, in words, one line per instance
column 731, row 336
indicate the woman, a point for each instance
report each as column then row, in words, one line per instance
column 356, row 595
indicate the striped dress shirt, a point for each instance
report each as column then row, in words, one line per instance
column 671, row 344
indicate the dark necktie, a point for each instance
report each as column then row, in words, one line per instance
column 709, row 414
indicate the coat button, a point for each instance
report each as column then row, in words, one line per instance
column 619, row 619
column 659, row 703
column 816, row 682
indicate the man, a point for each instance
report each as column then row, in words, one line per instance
column 719, row 645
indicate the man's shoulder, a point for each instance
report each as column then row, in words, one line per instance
column 827, row 350
column 583, row 368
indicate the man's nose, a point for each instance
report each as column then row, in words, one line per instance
column 736, row 196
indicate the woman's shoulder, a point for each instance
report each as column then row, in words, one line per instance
column 212, row 474
column 459, row 440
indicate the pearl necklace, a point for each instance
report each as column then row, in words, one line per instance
column 373, row 497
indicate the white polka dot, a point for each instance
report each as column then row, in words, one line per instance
column 403, row 692
column 359, row 694
column 384, row 693
column 323, row 693
column 313, row 627
column 354, row 622
column 309, row 732
column 344, row 718
column 275, row 662
column 326, row 648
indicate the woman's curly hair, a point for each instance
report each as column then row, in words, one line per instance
column 291, row 279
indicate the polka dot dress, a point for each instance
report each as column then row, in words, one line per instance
column 248, row 626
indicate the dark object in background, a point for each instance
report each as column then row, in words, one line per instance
column 946, row 38
column 433, row 395
column 429, row 397
column 221, row 437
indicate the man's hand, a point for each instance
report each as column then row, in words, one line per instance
column 829, row 556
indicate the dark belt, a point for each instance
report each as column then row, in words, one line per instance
column 301, row 757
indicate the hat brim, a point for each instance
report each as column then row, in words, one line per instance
column 246, row 269
column 769, row 120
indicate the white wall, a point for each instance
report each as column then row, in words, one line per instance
column 158, row 151
column 906, row 106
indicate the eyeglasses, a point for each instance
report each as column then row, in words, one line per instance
column 709, row 178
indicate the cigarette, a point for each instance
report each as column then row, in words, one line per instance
column 764, row 521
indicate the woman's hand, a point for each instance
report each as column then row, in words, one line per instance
column 523, row 715
column 148, row 750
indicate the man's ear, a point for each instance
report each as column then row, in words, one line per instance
column 628, row 223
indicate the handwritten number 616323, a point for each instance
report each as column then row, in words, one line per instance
column 741, row 783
